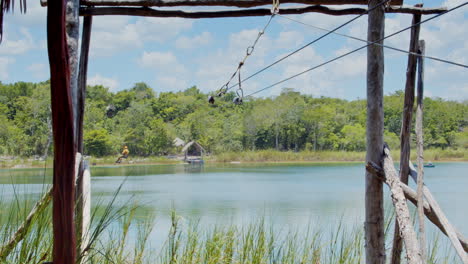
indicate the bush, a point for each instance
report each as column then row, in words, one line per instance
column 97, row 143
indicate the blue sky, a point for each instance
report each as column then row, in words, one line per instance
column 173, row 54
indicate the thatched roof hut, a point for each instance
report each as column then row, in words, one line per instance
column 193, row 148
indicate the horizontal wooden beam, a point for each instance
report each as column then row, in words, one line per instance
column 149, row 12
column 238, row 3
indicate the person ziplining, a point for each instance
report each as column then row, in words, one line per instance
column 124, row 155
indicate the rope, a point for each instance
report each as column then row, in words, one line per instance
column 249, row 51
column 308, row 44
column 355, row 50
column 378, row 44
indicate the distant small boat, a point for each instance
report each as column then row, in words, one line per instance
column 195, row 161
column 429, row 165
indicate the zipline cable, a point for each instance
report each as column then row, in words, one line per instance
column 378, row 44
column 358, row 49
column 249, row 51
column 308, row 44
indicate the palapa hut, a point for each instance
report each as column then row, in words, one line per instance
column 194, row 150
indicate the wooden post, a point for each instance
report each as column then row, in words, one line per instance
column 411, row 195
column 402, row 214
column 64, row 248
column 374, row 225
column 420, row 151
column 405, row 135
column 83, row 211
column 82, row 78
column 450, row 230
column 21, row 232
column 73, row 34
column 83, row 195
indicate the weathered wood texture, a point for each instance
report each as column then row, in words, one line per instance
column 374, row 225
column 82, row 78
column 64, row 249
column 78, row 194
column 23, row 229
column 73, row 34
column 411, row 195
column 405, row 133
column 83, row 211
column 449, row 229
column 83, row 195
column 420, row 151
column 149, row 12
column 403, row 219
column 236, row 3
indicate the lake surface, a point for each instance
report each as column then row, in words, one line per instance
column 287, row 195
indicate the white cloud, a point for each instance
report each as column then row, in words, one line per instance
column 203, row 39
column 39, row 70
column 4, row 64
column 169, row 83
column 98, row 79
column 289, row 39
column 165, row 62
column 214, row 70
column 112, row 35
column 349, row 66
column 24, row 42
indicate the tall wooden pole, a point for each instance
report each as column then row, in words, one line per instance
column 374, row 225
column 420, row 151
column 405, row 135
column 63, row 131
column 83, row 191
column 82, row 78
column 73, row 34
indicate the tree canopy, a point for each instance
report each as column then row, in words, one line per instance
column 148, row 122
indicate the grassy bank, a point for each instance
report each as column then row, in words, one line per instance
column 330, row 156
column 249, row 156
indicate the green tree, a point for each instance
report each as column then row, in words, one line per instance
column 97, row 143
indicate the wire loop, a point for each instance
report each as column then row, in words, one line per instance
column 275, row 7
column 250, row 50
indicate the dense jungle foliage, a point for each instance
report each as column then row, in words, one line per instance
column 148, row 122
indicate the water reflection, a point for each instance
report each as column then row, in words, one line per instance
column 287, row 195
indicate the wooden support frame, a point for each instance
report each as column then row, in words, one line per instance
column 405, row 134
column 82, row 78
column 23, row 229
column 374, row 216
column 64, row 138
column 73, row 35
column 403, row 220
column 150, row 12
column 83, row 196
column 231, row 3
column 449, row 229
column 68, row 100
column 420, row 150
column 83, row 212
column 411, row 195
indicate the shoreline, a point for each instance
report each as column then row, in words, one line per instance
column 15, row 165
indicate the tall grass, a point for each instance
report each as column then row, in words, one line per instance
column 330, row 156
column 287, row 156
column 120, row 235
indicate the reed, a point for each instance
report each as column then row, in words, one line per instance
column 119, row 234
